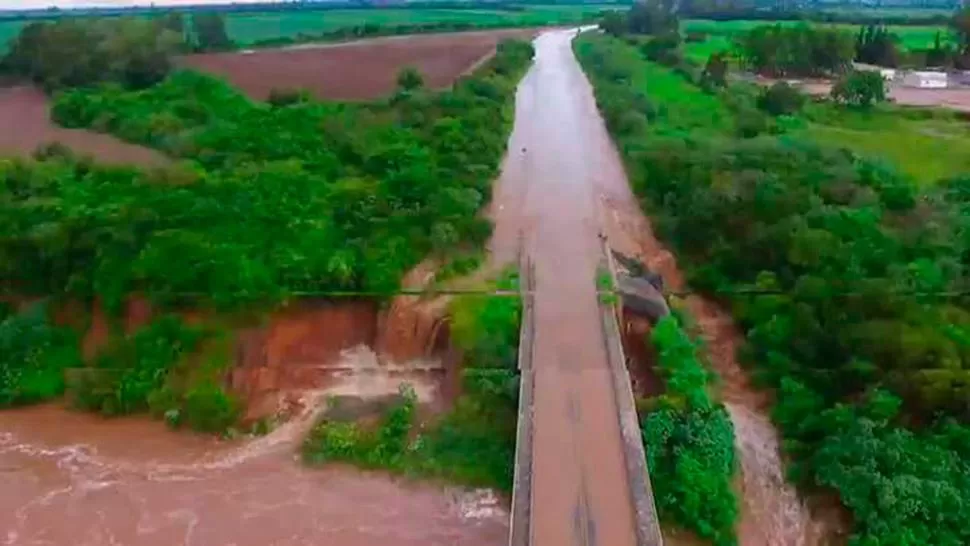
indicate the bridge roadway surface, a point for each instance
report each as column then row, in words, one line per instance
column 560, row 165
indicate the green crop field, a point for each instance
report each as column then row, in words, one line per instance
column 251, row 27
column 8, row 30
column 246, row 28
column 720, row 34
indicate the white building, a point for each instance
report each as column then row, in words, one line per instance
column 925, row 79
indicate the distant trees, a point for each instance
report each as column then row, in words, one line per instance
column 860, row 88
column 648, row 17
column 79, row 52
column 173, row 21
column 133, row 52
column 960, row 24
column 876, row 45
column 800, row 50
column 210, row 32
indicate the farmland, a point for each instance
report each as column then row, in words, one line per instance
column 440, row 58
column 25, row 116
column 720, row 34
column 246, row 28
column 926, row 145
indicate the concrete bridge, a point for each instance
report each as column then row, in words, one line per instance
column 581, row 478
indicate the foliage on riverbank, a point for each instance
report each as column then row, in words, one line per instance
column 853, row 325
column 167, row 368
column 33, row 356
column 270, row 200
column 689, row 441
column 473, row 443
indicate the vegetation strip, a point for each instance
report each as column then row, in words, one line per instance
column 269, row 201
column 870, row 391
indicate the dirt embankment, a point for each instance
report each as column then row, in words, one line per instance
column 360, row 70
column 26, row 124
column 348, row 347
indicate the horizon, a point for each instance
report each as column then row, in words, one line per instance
column 13, row 5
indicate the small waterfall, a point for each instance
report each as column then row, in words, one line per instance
column 772, row 513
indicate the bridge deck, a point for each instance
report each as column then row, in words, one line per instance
column 580, row 492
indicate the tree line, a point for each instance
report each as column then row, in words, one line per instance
column 133, row 52
column 857, row 322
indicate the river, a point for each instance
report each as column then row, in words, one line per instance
column 73, row 479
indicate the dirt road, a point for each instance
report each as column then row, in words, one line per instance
column 549, row 190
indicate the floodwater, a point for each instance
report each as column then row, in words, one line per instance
column 545, row 201
column 74, row 479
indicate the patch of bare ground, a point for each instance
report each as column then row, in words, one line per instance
column 957, row 98
column 26, row 125
column 361, row 70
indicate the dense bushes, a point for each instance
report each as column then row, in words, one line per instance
column 307, row 198
column 838, row 269
column 33, row 356
column 781, row 99
column 689, row 440
column 163, row 368
column 474, row 442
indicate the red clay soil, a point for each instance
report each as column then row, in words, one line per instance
column 25, row 124
column 360, row 70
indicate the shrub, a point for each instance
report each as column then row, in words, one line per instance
column 410, row 79
column 715, row 71
column 750, row 123
column 689, row 442
column 129, row 373
column 781, row 99
column 663, row 49
column 860, row 88
column 287, row 97
column 207, row 407
column 33, row 357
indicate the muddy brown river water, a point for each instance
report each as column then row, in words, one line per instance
column 78, row 480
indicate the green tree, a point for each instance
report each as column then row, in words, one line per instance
column 860, row 88
column 410, row 79
column 653, row 17
column 960, row 24
column 210, row 32
column 715, row 71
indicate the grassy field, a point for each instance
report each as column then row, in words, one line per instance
column 926, row 145
column 721, row 33
column 250, row 27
